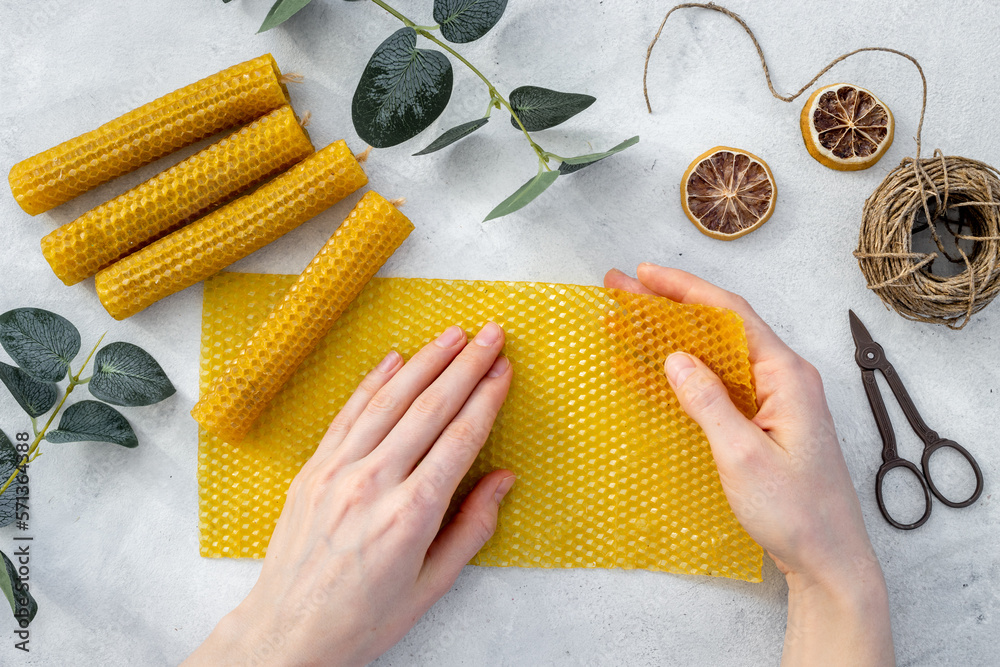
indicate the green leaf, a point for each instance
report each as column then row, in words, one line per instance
column 573, row 164
column 35, row 397
column 42, row 343
column 9, row 458
column 464, row 21
column 525, row 195
column 281, row 11
column 90, row 421
column 453, row 135
column 125, row 374
column 402, row 91
column 541, row 108
column 16, row 592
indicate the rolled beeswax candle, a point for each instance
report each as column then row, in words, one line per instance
column 334, row 278
column 232, row 97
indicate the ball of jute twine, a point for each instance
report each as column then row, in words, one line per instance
column 932, row 186
column 901, row 277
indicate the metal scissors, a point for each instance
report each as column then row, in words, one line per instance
column 871, row 357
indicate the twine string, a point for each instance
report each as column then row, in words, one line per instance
column 900, row 276
column 767, row 72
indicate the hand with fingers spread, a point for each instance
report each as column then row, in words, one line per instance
column 785, row 477
column 358, row 554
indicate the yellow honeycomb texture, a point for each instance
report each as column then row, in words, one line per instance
column 210, row 244
column 611, row 472
column 327, row 286
column 232, row 97
column 174, row 197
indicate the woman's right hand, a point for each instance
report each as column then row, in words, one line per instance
column 785, row 477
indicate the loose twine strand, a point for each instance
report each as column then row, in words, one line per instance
column 901, row 277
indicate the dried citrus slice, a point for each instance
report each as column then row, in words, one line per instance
column 727, row 192
column 846, row 127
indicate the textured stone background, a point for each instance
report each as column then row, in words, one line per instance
column 115, row 566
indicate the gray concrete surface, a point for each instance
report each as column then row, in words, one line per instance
column 115, row 566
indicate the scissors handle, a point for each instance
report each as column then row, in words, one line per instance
column 925, row 464
column 880, row 477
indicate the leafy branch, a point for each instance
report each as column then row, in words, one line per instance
column 404, row 89
column 43, row 345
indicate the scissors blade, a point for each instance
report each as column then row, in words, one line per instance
column 860, row 333
column 865, row 345
column 870, row 356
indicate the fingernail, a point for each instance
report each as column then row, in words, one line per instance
column 450, row 337
column 679, row 368
column 503, row 487
column 489, row 335
column 389, row 362
column 499, row 367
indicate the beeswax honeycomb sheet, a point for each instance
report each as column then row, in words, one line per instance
column 611, row 472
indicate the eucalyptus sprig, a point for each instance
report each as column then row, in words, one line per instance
column 43, row 345
column 404, row 89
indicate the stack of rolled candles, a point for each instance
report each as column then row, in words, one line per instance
column 190, row 221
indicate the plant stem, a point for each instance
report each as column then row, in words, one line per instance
column 493, row 91
column 31, row 454
column 494, row 94
column 407, row 22
column 38, row 439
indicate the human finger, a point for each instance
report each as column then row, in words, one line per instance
column 463, row 537
column 615, row 279
column 683, row 287
column 390, row 403
column 355, row 406
column 436, row 407
column 449, row 459
column 734, row 438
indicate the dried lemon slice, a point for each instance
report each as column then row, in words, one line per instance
column 846, row 127
column 728, row 192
